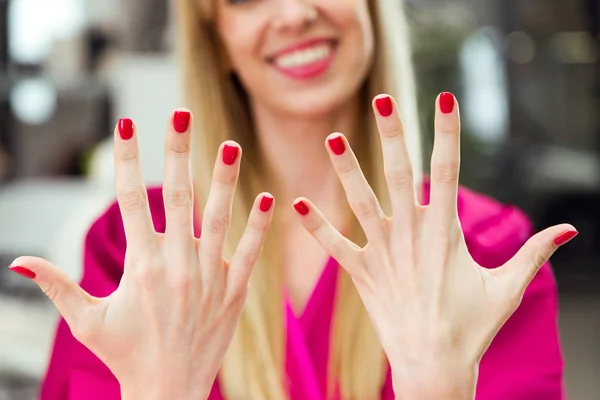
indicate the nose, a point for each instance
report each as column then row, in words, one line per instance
column 295, row 15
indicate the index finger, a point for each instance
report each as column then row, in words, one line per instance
column 131, row 191
column 178, row 194
column 445, row 160
column 396, row 159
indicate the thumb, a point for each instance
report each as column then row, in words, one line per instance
column 523, row 267
column 68, row 297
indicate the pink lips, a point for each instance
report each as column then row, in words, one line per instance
column 306, row 71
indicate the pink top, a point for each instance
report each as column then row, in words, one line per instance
column 524, row 361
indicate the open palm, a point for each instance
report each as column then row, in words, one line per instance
column 434, row 308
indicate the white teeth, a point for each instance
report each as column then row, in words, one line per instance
column 303, row 57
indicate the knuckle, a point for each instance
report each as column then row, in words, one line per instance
column 316, row 228
column 51, row 291
column 225, row 178
column 446, row 173
column 147, row 272
column 336, row 250
column 346, row 168
column 144, row 280
column 180, row 198
column 179, row 148
column 130, row 154
column 390, row 132
column 237, row 298
column 364, row 208
column 400, row 178
column 249, row 259
column 217, row 225
column 179, row 282
column 258, row 224
column 132, row 199
column 539, row 259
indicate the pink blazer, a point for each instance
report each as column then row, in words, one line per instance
column 524, row 361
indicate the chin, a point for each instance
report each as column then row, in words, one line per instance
column 315, row 102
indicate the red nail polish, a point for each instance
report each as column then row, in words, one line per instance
column 181, row 121
column 265, row 203
column 565, row 237
column 301, row 207
column 126, row 128
column 26, row 272
column 446, row 102
column 337, row 145
column 230, row 154
column 384, row 106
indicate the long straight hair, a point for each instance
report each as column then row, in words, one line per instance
column 254, row 366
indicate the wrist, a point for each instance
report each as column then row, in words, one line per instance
column 166, row 392
column 163, row 388
column 434, row 381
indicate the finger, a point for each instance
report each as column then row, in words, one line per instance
column 251, row 243
column 396, row 159
column 131, row 191
column 331, row 240
column 217, row 212
column 177, row 187
column 71, row 300
column 445, row 160
column 361, row 197
column 523, row 267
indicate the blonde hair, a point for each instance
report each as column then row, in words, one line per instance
column 254, row 365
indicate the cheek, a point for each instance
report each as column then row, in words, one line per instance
column 354, row 20
column 240, row 36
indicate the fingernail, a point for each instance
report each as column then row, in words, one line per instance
column 230, row 154
column 384, row 106
column 27, row 273
column 446, row 102
column 301, row 207
column 266, row 202
column 126, row 128
column 181, row 121
column 337, row 145
column 565, row 237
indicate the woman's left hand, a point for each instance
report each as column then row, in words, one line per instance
column 434, row 308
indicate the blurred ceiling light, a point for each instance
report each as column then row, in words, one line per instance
column 485, row 100
column 574, row 48
column 33, row 25
column 33, row 101
column 520, row 47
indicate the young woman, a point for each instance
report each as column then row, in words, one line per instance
column 433, row 275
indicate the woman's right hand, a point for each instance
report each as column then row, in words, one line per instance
column 165, row 330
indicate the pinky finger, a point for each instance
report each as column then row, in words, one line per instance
column 251, row 244
column 344, row 251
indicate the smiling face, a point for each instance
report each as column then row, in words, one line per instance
column 303, row 57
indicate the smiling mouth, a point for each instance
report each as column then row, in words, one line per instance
column 316, row 55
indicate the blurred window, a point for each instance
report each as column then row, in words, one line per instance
column 34, row 24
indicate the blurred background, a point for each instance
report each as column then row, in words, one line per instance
column 527, row 73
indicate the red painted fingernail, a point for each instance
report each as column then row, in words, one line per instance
column 126, row 128
column 26, row 272
column 446, row 102
column 384, row 106
column 301, row 207
column 181, row 121
column 565, row 237
column 337, row 145
column 266, row 202
column 230, row 154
